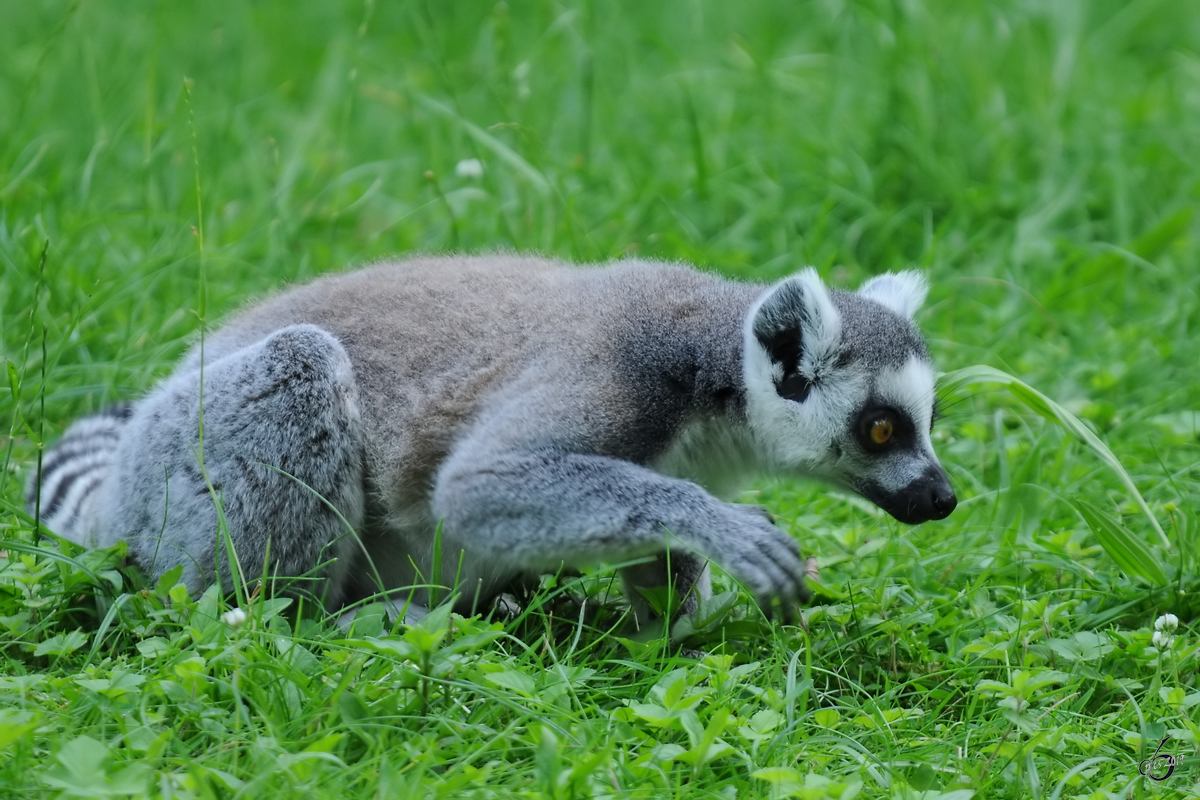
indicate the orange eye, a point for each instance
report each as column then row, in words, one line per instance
column 882, row 430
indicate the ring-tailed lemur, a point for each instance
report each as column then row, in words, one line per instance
column 541, row 414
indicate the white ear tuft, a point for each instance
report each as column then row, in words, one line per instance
column 794, row 316
column 902, row 292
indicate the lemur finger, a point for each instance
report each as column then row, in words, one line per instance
column 785, row 552
column 752, row 574
column 780, row 566
column 766, row 560
column 802, row 591
column 760, row 570
column 799, row 592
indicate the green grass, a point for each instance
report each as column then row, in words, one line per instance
column 1037, row 159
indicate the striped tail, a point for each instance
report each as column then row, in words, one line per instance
column 73, row 472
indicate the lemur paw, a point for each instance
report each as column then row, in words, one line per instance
column 763, row 558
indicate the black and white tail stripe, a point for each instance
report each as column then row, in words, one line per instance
column 74, row 469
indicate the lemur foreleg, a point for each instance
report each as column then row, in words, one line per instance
column 534, row 510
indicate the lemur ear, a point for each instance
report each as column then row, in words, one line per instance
column 796, row 323
column 902, row 292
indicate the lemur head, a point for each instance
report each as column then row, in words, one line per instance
column 840, row 387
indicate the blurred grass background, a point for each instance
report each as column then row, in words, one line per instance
column 1037, row 159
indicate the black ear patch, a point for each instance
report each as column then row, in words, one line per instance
column 779, row 334
column 778, row 326
column 794, row 387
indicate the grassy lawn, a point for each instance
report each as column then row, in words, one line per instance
column 162, row 162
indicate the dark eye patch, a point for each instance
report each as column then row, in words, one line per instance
column 881, row 428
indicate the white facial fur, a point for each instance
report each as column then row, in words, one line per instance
column 911, row 388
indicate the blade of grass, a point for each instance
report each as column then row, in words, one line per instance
column 1043, row 406
column 1133, row 557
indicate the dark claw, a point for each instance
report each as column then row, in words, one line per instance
column 779, row 610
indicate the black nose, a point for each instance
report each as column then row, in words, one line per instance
column 941, row 501
column 928, row 497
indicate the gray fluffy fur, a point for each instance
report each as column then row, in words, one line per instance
column 543, row 414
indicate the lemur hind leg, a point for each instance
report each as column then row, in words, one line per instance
column 282, row 450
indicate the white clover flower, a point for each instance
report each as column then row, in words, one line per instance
column 1166, row 623
column 1162, row 641
column 469, row 168
column 234, row 617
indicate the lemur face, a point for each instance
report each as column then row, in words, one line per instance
column 885, row 453
column 839, row 387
